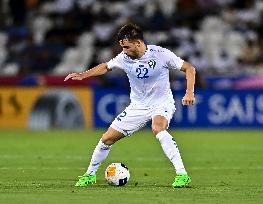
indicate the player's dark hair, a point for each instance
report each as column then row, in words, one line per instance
column 130, row 31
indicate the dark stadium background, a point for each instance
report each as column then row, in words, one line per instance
column 48, row 127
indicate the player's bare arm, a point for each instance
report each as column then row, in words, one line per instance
column 189, row 98
column 95, row 71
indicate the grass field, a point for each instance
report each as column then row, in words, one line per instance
column 42, row 167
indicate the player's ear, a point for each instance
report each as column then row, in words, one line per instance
column 138, row 43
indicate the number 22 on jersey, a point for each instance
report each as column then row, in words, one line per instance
column 142, row 72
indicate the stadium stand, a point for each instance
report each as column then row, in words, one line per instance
column 55, row 37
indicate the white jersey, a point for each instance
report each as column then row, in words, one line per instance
column 149, row 75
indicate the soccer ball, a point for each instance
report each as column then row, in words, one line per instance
column 117, row 174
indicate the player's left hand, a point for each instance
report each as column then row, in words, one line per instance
column 188, row 99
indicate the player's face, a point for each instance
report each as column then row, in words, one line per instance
column 130, row 48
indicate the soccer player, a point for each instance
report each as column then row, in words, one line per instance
column 147, row 67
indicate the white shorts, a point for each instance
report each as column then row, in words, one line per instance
column 133, row 118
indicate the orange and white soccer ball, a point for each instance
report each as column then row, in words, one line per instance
column 117, row 174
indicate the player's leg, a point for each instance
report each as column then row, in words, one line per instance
column 102, row 149
column 100, row 153
column 126, row 123
column 159, row 126
column 160, row 123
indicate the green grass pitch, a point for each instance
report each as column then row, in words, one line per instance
column 42, row 167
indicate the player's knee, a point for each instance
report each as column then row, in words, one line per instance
column 157, row 128
column 109, row 139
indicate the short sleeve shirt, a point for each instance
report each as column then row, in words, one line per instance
column 148, row 75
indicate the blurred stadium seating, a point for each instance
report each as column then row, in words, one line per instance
column 222, row 38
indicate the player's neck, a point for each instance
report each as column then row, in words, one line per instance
column 142, row 50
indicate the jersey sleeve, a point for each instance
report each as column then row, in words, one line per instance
column 115, row 62
column 172, row 61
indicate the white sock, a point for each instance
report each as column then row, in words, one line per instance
column 99, row 155
column 171, row 151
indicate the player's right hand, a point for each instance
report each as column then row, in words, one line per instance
column 74, row 76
